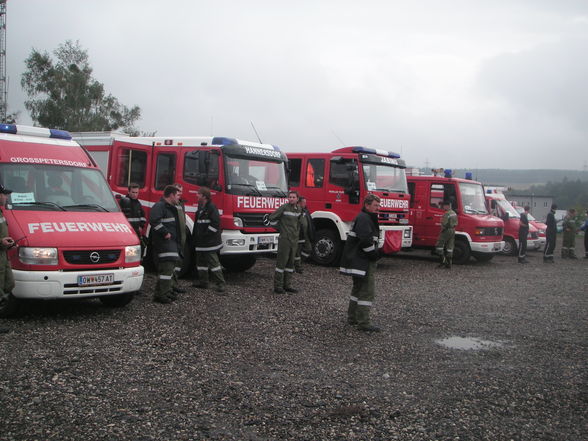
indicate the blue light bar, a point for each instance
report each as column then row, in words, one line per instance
column 379, row 152
column 14, row 129
column 219, row 140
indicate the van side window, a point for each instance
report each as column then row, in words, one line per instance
column 133, row 167
column 294, row 175
column 165, row 171
column 411, row 190
column 441, row 192
column 315, row 172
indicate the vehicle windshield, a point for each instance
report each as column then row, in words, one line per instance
column 254, row 177
column 56, row 188
column 529, row 215
column 472, row 198
column 379, row 177
column 506, row 207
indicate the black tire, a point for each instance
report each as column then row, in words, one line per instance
column 8, row 305
column 510, row 247
column 117, row 301
column 461, row 252
column 238, row 263
column 483, row 257
column 327, row 248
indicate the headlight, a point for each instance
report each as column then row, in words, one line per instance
column 238, row 222
column 236, row 242
column 133, row 254
column 38, row 256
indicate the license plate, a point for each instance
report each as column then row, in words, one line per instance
column 265, row 239
column 96, row 279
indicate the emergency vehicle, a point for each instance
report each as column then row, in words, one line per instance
column 478, row 234
column 71, row 239
column 335, row 184
column 247, row 181
column 500, row 207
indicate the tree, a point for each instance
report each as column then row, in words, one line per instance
column 63, row 95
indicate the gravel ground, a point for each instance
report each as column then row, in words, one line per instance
column 252, row 365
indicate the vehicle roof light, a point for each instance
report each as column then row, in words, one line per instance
column 359, row 149
column 34, row 131
column 220, row 140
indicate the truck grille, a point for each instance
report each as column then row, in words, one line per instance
column 491, row 231
column 391, row 217
column 252, row 220
column 91, row 257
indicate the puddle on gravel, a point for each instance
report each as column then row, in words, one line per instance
column 468, row 343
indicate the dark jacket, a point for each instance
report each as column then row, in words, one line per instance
column 134, row 212
column 207, row 231
column 523, row 226
column 164, row 219
column 551, row 224
column 361, row 245
column 306, row 227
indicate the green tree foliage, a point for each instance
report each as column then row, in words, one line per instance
column 566, row 194
column 63, row 95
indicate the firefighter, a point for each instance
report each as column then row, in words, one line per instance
column 446, row 239
column 550, row 235
column 286, row 219
column 181, row 207
column 166, row 242
column 568, row 247
column 306, row 237
column 6, row 242
column 132, row 209
column 359, row 261
column 523, row 232
column 584, row 228
column 207, row 235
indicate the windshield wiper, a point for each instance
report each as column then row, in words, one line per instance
column 42, row 204
column 249, row 186
column 100, row 207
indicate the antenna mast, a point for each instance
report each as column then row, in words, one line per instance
column 3, row 82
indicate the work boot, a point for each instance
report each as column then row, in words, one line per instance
column 173, row 296
column 523, row 260
column 220, row 289
column 279, row 291
column 299, row 270
column 291, row 290
column 368, row 328
column 162, row 299
column 179, row 290
column 201, row 285
column 448, row 261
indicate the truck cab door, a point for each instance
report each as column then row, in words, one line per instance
column 343, row 187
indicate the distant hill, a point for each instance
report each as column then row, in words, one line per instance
column 519, row 179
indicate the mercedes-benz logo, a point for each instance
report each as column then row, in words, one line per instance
column 94, row 256
column 266, row 220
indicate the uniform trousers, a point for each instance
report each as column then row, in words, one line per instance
column 163, row 287
column 362, row 297
column 208, row 261
column 285, row 263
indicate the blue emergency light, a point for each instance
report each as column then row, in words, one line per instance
column 14, row 129
column 379, row 152
column 221, row 140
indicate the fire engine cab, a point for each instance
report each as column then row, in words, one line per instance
column 335, row 184
column 478, row 233
column 247, row 181
column 71, row 239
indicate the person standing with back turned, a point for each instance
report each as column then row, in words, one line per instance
column 550, row 235
column 523, row 233
column 446, row 240
column 568, row 247
column 359, row 260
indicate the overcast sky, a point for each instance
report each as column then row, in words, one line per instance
column 448, row 83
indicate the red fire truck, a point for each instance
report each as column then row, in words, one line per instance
column 71, row 239
column 247, row 181
column 478, row 234
column 335, row 185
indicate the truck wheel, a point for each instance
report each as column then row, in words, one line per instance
column 510, row 247
column 328, row 248
column 8, row 305
column 483, row 257
column 238, row 263
column 461, row 252
column 117, row 301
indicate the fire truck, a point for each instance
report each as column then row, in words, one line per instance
column 335, row 185
column 478, row 233
column 70, row 238
column 247, row 181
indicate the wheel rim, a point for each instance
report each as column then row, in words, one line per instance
column 324, row 248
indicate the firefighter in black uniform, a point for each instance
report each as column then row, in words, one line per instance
column 359, row 261
column 523, row 232
column 167, row 239
column 181, row 207
column 207, row 236
column 306, row 237
column 132, row 209
column 550, row 235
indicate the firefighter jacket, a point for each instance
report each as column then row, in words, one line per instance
column 286, row 220
column 134, row 213
column 523, row 226
column 164, row 219
column 551, row 224
column 207, row 231
column 306, row 227
column 449, row 220
column 361, row 245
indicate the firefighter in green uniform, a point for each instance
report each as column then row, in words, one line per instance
column 7, row 305
column 359, row 260
column 208, row 241
column 166, row 242
column 568, row 247
column 286, row 220
column 306, row 236
column 180, row 206
column 446, row 239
